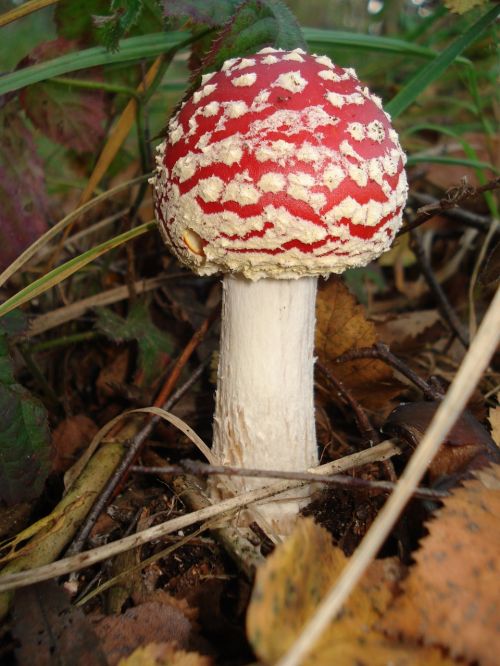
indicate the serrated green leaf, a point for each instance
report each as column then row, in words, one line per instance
column 255, row 24
column 152, row 343
column 428, row 74
column 24, row 437
column 125, row 14
column 211, row 13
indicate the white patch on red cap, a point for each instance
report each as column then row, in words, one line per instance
column 291, row 81
column 261, row 186
column 272, row 182
column 245, row 80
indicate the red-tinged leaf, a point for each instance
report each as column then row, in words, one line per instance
column 201, row 12
column 255, row 24
column 74, row 20
column 23, row 199
column 24, row 437
column 49, row 630
column 69, row 115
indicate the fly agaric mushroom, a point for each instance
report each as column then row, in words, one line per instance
column 280, row 168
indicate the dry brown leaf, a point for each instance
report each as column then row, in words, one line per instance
column 451, row 595
column 49, row 630
column 139, row 626
column 494, row 419
column 164, row 654
column 342, row 326
column 396, row 329
column 289, row 587
column 69, row 438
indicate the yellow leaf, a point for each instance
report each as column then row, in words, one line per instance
column 164, row 654
column 494, row 419
column 341, row 326
column 291, row 584
column 462, row 6
column 451, row 597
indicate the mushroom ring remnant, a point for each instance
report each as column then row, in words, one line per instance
column 282, row 164
column 280, row 168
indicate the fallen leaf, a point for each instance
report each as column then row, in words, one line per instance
column 291, row 584
column 397, row 329
column 164, row 654
column 494, row 419
column 49, row 630
column 139, row 626
column 69, row 115
column 342, row 326
column 69, row 439
column 450, row 597
column 155, row 346
column 467, row 446
column 24, row 208
column 24, row 437
column 462, row 6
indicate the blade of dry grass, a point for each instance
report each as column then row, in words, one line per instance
column 475, row 362
column 380, row 452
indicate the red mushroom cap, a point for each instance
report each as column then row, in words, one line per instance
column 282, row 165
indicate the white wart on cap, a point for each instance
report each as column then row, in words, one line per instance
column 281, row 165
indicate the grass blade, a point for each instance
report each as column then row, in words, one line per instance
column 434, row 69
column 317, row 38
column 60, row 273
column 133, row 48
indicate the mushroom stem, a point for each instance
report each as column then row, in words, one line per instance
column 264, row 415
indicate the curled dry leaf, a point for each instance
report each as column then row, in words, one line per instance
column 164, row 654
column 291, row 584
column 341, row 326
column 451, row 597
column 139, row 626
column 468, row 445
column 494, row 419
column 69, row 439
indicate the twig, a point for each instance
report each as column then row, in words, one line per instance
column 443, row 303
column 467, row 217
column 198, row 468
column 452, row 198
column 366, row 429
column 60, row 316
column 475, row 362
column 382, row 352
column 381, row 451
column 134, row 447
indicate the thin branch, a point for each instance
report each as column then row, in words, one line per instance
column 198, row 468
column 136, row 442
column 368, row 432
column 475, row 362
column 453, row 197
column 444, row 304
column 382, row 451
column 382, row 352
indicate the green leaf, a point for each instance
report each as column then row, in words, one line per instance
column 74, row 21
column 71, row 116
column 126, row 13
column 211, row 13
column 131, row 49
column 255, row 24
column 60, row 273
column 462, row 6
column 424, row 77
column 24, row 437
column 153, row 343
column 319, row 39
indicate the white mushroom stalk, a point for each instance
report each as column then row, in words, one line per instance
column 264, row 416
column 280, row 168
